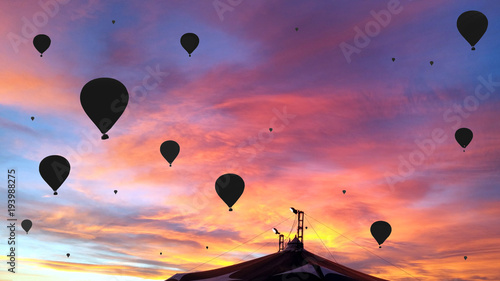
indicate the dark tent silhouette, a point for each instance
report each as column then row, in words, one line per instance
column 293, row 263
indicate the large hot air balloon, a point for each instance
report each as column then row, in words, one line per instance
column 104, row 100
column 41, row 43
column 169, row 149
column 463, row 137
column 380, row 231
column 472, row 25
column 54, row 169
column 26, row 224
column 229, row 187
column 189, row 42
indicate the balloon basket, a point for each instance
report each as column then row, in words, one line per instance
column 104, row 137
column 55, row 193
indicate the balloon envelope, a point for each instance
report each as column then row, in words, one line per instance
column 32, row 118
column 41, row 43
column 104, row 100
column 472, row 25
column 116, row 191
column 393, row 59
column 343, row 191
column 465, row 257
column 170, row 149
column 380, row 231
column 463, row 137
column 26, row 224
column 67, row 255
column 229, row 187
column 189, row 42
column 54, row 169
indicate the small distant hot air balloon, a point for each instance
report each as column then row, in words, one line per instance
column 170, row 149
column 343, row 191
column 296, row 29
column 113, row 21
column 116, row 191
column 41, row 43
column 54, row 169
column 306, row 227
column 104, row 100
column 393, row 59
column 472, row 25
column 229, row 187
column 431, row 62
column 270, row 129
column 189, row 42
column 32, row 118
column 67, row 255
column 465, row 257
column 380, row 231
column 463, row 137
column 207, row 247
column 26, row 224
column 160, row 253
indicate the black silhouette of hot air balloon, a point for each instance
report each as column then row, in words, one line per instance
column 207, row 247
column 170, row 149
column 343, row 191
column 32, row 118
column 380, row 231
column 54, row 169
column 160, row 253
column 393, row 59
column 229, row 187
column 465, row 257
column 41, row 43
column 104, row 100
column 67, row 255
column 431, row 62
column 472, row 25
column 26, row 224
column 113, row 21
column 463, row 137
column 189, row 42
column 270, row 129
column 296, row 29
column 116, row 191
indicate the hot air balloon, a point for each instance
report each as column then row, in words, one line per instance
column 26, row 224
column 170, row 149
column 116, row 191
column 296, row 29
column 189, row 42
column 41, row 43
column 431, row 62
column 104, row 100
column 67, row 255
column 160, row 253
column 229, row 187
column 463, row 137
column 270, row 129
column 32, row 118
column 54, row 169
column 393, row 59
column 472, row 25
column 113, row 21
column 343, row 191
column 465, row 257
column 207, row 247
column 380, row 231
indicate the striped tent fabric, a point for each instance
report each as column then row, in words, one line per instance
column 292, row 264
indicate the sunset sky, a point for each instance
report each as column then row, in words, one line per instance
column 344, row 117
